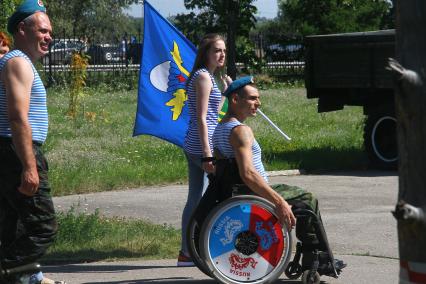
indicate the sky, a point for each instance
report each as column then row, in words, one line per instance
column 265, row 8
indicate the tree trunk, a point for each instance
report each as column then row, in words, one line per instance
column 230, row 40
column 410, row 102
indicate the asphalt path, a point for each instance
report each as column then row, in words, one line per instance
column 355, row 206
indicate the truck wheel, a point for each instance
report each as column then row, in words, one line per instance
column 380, row 140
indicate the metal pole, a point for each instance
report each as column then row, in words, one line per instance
column 142, row 16
column 273, row 125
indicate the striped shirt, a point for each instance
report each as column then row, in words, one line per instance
column 37, row 114
column 192, row 143
column 221, row 141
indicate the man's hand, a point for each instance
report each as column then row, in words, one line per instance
column 285, row 215
column 29, row 182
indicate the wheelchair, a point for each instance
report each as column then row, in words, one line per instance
column 24, row 272
column 234, row 236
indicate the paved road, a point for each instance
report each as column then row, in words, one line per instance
column 355, row 208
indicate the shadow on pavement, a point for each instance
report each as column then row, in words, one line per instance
column 364, row 173
column 183, row 280
column 172, row 280
column 71, row 268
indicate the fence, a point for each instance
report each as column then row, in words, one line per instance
column 111, row 59
column 119, row 60
column 284, row 60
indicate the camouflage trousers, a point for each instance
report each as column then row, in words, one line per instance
column 300, row 198
column 35, row 215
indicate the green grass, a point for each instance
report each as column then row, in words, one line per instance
column 320, row 141
column 96, row 152
column 85, row 238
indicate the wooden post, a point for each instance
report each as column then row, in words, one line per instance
column 410, row 101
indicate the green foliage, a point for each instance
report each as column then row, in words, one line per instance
column 275, row 31
column 81, row 17
column 214, row 16
column 307, row 17
column 91, row 237
column 263, row 82
column 220, row 16
column 7, row 8
column 79, row 63
column 247, row 55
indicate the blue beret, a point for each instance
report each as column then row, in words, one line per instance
column 238, row 84
column 26, row 9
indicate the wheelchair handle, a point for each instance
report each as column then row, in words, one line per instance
column 27, row 268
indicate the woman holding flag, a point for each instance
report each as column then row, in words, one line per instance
column 204, row 100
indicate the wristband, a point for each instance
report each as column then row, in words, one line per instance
column 207, row 159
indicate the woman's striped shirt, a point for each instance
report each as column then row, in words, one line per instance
column 221, row 141
column 192, row 143
column 37, row 114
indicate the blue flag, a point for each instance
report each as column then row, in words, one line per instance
column 167, row 60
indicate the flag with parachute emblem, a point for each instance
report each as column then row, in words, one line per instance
column 167, row 60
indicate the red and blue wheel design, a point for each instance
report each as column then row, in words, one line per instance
column 241, row 241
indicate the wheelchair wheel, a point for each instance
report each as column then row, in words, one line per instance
column 242, row 241
column 193, row 233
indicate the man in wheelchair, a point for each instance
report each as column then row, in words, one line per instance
column 239, row 170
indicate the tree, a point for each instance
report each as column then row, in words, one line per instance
column 7, row 8
column 411, row 128
column 234, row 18
column 307, row 17
column 99, row 19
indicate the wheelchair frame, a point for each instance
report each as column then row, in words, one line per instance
column 25, row 270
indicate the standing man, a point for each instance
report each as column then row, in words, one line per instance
column 24, row 188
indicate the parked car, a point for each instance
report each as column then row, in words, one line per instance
column 288, row 52
column 60, row 51
column 104, row 54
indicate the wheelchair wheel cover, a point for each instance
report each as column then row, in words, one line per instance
column 193, row 239
column 242, row 241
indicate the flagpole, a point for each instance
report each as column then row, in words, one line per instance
column 273, row 125
column 141, row 26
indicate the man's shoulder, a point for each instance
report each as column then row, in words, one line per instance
column 242, row 129
column 14, row 57
column 242, row 134
column 13, row 53
column 16, row 66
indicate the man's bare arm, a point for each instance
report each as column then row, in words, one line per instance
column 18, row 78
column 242, row 141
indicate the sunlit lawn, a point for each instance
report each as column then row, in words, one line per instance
column 97, row 152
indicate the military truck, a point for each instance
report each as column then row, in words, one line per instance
column 349, row 70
